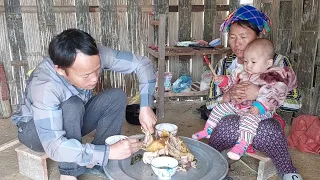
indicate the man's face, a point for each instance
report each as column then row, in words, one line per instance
column 239, row 38
column 84, row 73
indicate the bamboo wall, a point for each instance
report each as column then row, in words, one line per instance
column 27, row 27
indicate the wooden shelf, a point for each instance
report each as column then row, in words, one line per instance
column 185, row 94
column 189, row 51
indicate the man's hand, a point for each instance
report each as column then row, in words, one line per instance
column 124, row 148
column 254, row 110
column 244, row 91
column 147, row 119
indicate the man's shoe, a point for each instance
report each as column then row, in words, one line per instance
column 292, row 176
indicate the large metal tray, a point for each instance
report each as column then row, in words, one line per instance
column 211, row 165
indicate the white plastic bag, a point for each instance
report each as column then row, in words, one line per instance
column 206, row 78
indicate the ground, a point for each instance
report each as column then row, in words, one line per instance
column 185, row 116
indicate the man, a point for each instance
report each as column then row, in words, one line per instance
column 59, row 108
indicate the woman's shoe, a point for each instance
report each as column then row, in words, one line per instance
column 292, row 176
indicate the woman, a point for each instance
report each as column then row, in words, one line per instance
column 244, row 25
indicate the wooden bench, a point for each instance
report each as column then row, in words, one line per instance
column 32, row 164
column 266, row 167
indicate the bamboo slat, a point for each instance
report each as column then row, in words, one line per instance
column 83, row 15
column 47, row 26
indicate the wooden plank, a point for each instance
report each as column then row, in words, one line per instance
column 197, row 33
column 257, row 4
column 47, row 26
column 275, row 23
column 285, row 30
column 184, row 33
column 233, row 5
column 9, row 144
column 17, row 42
column 173, row 38
column 305, row 68
column 161, row 65
column 310, row 16
column 82, row 15
column 297, row 8
column 120, row 8
column 187, row 51
column 209, row 31
column 184, row 20
column 186, row 94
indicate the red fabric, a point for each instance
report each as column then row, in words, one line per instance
column 305, row 134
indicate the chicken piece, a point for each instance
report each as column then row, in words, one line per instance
column 148, row 138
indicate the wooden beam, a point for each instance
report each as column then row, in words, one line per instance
column 120, row 8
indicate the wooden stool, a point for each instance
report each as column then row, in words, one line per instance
column 266, row 167
column 32, row 164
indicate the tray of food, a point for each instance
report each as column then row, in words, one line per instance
column 195, row 159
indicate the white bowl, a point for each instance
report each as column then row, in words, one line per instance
column 166, row 127
column 113, row 139
column 164, row 166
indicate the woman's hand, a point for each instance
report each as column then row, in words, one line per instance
column 124, row 148
column 147, row 119
column 244, row 91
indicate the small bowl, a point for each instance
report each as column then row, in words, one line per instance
column 164, row 129
column 114, row 139
column 164, row 166
column 132, row 113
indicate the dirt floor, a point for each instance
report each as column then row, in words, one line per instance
column 185, row 116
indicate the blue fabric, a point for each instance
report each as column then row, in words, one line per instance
column 259, row 106
column 250, row 14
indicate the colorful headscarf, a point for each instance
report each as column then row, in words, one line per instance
column 250, row 14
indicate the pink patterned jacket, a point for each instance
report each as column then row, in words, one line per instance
column 274, row 85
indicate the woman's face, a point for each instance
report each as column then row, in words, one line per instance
column 239, row 38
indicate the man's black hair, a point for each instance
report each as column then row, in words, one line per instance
column 64, row 47
column 246, row 23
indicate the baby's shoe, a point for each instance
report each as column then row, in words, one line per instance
column 200, row 135
column 206, row 132
column 292, row 176
column 238, row 150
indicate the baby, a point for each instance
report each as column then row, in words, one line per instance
column 274, row 83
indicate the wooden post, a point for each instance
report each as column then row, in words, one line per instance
column 5, row 108
column 161, row 64
column 17, row 43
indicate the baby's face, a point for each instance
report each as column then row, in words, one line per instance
column 255, row 62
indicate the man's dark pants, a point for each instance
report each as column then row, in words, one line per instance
column 103, row 112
